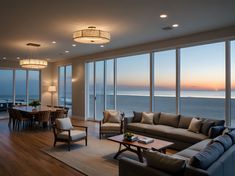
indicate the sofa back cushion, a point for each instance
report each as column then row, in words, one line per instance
column 224, row 140
column 184, row 122
column 137, row 117
column 206, row 125
column 207, row 156
column 156, row 117
column 164, row 162
column 169, row 119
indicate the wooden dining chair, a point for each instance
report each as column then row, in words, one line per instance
column 58, row 114
column 20, row 119
column 12, row 117
column 43, row 117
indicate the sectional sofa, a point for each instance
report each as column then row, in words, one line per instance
column 173, row 128
column 207, row 153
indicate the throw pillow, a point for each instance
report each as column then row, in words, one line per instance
column 184, row 122
column 164, row 162
column 215, row 131
column 169, row 119
column 195, row 125
column 114, row 117
column 147, row 118
column 207, row 156
column 64, row 123
column 225, row 140
column 206, row 125
column 137, row 117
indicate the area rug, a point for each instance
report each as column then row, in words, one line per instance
column 96, row 159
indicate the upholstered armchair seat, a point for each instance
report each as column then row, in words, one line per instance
column 74, row 135
column 111, row 127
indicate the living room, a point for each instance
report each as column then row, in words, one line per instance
column 154, row 56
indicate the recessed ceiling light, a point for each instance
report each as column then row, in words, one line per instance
column 4, row 58
column 163, row 16
column 74, row 45
column 102, row 46
column 175, row 25
column 66, row 51
column 54, row 42
column 18, row 58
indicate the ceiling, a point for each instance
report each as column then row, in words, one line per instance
column 130, row 22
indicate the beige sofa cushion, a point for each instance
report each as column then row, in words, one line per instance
column 159, row 130
column 169, row 119
column 184, row 122
column 139, row 127
column 110, row 127
column 147, row 118
column 186, row 136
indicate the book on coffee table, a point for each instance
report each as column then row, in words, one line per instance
column 145, row 140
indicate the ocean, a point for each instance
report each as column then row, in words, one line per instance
column 209, row 104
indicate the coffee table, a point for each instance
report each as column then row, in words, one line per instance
column 136, row 147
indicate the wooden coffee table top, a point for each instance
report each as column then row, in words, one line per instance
column 157, row 144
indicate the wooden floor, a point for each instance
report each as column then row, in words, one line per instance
column 20, row 152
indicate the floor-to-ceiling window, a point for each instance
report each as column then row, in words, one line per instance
column 99, row 89
column 90, row 89
column 164, row 81
column 133, row 79
column 203, row 80
column 6, row 92
column 20, row 87
column 233, row 83
column 65, row 86
column 110, row 87
column 33, row 85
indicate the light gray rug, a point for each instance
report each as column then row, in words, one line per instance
column 95, row 159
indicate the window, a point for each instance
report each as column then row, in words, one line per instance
column 65, row 86
column 110, row 99
column 33, row 85
column 165, row 81
column 6, row 93
column 90, row 89
column 203, row 80
column 133, row 80
column 233, row 83
column 20, row 87
column 99, row 89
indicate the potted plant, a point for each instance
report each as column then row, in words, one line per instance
column 35, row 103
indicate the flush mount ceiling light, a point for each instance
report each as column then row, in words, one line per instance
column 31, row 63
column 91, row 36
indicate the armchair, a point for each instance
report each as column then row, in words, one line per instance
column 112, row 123
column 64, row 132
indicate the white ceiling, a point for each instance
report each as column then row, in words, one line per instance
column 130, row 22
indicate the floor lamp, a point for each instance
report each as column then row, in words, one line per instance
column 52, row 89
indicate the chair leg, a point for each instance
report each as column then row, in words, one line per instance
column 69, row 145
column 86, row 141
column 54, row 142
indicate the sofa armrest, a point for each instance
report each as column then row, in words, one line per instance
column 129, row 167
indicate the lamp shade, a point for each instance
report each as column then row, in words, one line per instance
column 52, row 89
column 33, row 63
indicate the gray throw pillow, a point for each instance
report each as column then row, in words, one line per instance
column 164, row 162
column 232, row 135
column 137, row 116
column 215, row 131
column 156, row 117
column 206, row 125
column 225, row 140
column 195, row 125
column 207, row 156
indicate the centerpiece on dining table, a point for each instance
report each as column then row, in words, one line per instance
column 35, row 104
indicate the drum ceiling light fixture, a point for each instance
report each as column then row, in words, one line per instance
column 91, row 36
column 32, row 63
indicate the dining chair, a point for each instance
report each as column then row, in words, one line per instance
column 20, row 119
column 12, row 117
column 58, row 114
column 43, row 117
column 64, row 131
